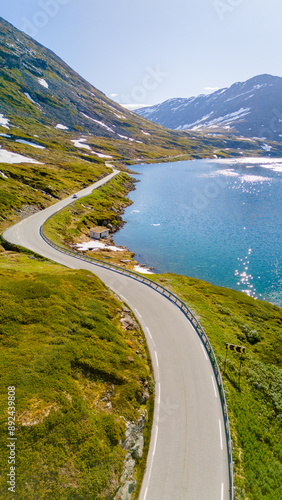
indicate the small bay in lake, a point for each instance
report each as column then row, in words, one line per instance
column 215, row 220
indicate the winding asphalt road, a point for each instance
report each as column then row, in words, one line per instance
column 188, row 457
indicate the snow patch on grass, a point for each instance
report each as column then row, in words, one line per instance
column 78, row 143
column 61, row 127
column 4, row 122
column 97, row 245
column 43, row 82
column 101, row 155
column 99, row 123
column 23, row 141
column 9, row 157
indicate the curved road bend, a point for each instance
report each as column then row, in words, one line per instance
column 188, row 452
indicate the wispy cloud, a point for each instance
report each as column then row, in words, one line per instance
column 132, row 107
column 211, row 89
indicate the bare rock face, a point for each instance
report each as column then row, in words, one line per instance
column 126, row 490
column 134, row 437
column 134, row 443
column 145, row 397
column 128, row 322
column 137, row 450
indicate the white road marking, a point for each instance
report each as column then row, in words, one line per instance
column 220, row 435
column 156, row 437
column 222, row 491
column 204, row 351
column 157, row 360
column 123, row 298
column 214, row 388
column 149, row 333
column 155, row 441
column 138, row 313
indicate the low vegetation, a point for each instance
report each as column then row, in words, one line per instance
column 79, row 376
column 254, row 392
column 104, row 206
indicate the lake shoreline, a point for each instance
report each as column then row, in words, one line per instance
column 246, row 170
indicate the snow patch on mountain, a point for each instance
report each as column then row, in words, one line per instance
column 190, row 125
column 129, row 138
column 43, row 82
column 4, row 122
column 239, row 95
column 99, row 123
column 9, row 157
column 101, row 155
column 224, row 120
column 61, row 127
column 23, row 141
column 79, row 143
column 30, row 98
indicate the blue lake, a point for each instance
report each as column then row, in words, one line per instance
column 216, row 220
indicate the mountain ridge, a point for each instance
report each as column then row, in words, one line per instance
column 252, row 109
column 39, row 88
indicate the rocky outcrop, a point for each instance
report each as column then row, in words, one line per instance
column 128, row 323
column 134, row 443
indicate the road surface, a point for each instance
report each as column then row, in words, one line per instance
column 188, row 457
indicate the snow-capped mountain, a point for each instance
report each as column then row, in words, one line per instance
column 251, row 109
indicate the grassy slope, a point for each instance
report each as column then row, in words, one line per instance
column 255, row 405
column 63, row 348
column 104, row 205
column 33, row 185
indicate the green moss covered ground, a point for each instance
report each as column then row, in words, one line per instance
column 103, row 206
column 78, row 378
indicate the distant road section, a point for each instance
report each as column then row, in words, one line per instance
column 188, row 457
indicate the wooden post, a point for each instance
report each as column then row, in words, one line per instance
column 240, row 370
column 225, row 358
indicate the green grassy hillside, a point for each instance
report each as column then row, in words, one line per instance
column 79, row 376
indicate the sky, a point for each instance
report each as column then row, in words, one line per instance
column 144, row 52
